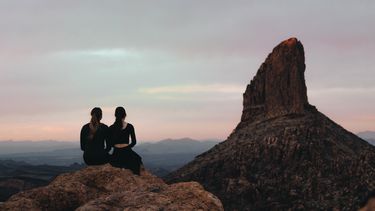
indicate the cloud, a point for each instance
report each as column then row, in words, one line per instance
column 195, row 88
column 111, row 53
column 343, row 91
column 169, row 57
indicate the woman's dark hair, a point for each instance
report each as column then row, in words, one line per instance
column 96, row 116
column 120, row 114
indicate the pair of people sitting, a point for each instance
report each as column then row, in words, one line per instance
column 97, row 139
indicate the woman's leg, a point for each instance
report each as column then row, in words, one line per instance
column 95, row 158
column 136, row 162
column 115, row 158
column 89, row 159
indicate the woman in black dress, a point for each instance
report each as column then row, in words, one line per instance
column 94, row 140
column 123, row 156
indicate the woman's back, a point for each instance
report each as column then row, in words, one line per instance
column 96, row 141
column 122, row 135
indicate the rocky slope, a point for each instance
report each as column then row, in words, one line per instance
column 108, row 188
column 284, row 154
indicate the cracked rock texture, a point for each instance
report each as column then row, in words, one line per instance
column 108, row 188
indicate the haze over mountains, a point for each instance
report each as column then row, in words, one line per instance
column 368, row 136
column 29, row 164
column 165, row 155
column 25, row 164
column 18, row 147
column 14, row 147
column 9, row 148
column 16, row 176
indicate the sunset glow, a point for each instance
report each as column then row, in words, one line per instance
column 179, row 68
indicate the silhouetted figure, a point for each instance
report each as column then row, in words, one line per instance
column 94, row 140
column 123, row 156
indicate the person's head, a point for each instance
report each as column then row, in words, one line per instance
column 96, row 115
column 120, row 113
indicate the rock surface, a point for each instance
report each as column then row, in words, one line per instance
column 279, row 85
column 284, row 154
column 108, row 188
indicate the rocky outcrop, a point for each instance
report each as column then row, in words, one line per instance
column 109, row 188
column 284, row 154
column 279, row 86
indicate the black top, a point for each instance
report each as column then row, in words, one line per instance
column 97, row 143
column 122, row 136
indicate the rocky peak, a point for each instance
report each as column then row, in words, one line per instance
column 279, row 86
column 284, row 154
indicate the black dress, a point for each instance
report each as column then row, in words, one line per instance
column 95, row 149
column 124, row 157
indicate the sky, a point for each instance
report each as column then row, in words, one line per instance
column 178, row 67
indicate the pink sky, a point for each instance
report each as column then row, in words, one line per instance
column 179, row 68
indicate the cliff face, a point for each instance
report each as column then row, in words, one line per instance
column 279, row 87
column 109, row 188
column 284, row 154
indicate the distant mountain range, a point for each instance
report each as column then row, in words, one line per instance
column 162, row 156
column 170, row 154
column 180, row 146
column 12, row 147
column 16, row 176
column 369, row 136
column 29, row 164
column 24, row 165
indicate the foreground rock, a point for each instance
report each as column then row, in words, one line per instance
column 284, row 154
column 108, row 188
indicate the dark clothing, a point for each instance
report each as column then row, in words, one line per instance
column 96, row 158
column 124, row 157
column 122, row 136
column 95, row 149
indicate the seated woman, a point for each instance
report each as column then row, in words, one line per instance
column 123, row 156
column 94, row 140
